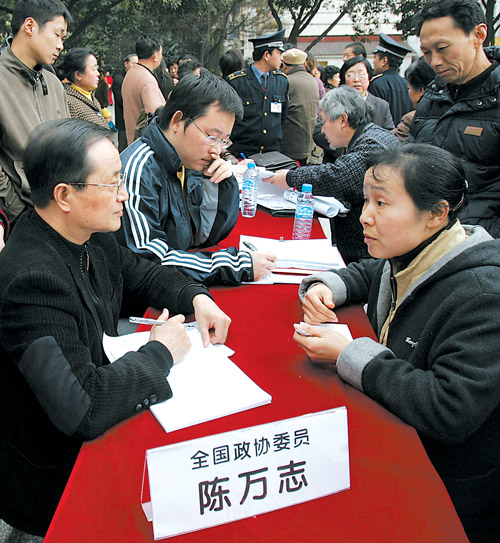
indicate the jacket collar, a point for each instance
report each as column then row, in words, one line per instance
column 163, row 149
column 438, row 89
column 13, row 64
column 359, row 131
column 295, row 69
column 61, row 247
column 70, row 90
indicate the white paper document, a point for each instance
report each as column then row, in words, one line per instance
column 206, row 385
column 342, row 329
column 310, row 254
column 272, row 197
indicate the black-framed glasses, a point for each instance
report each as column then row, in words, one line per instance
column 109, row 185
column 213, row 140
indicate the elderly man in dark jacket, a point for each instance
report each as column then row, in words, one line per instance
column 460, row 110
column 346, row 123
column 63, row 277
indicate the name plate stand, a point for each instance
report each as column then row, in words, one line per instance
column 235, row 475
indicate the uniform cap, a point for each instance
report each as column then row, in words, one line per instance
column 389, row 45
column 294, row 57
column 270, row 41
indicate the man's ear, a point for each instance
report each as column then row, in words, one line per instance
column 29, row 25
column 177, row 122
column 62, row 197
column 480, row 33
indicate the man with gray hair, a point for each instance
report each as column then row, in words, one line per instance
column 346, row 123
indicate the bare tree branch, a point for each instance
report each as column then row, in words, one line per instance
column 325, row 32
column 275, row 14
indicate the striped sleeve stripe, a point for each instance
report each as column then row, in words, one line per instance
column 139, row 226
column 206, row 264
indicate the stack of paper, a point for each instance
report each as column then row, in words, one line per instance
column 295, row 258
column 206, row 385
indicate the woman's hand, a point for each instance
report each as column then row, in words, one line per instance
column 321, row 344
column 318, row 304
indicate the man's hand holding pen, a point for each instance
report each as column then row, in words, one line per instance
column 263, row 263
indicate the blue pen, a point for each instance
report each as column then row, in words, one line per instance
column 243, row 156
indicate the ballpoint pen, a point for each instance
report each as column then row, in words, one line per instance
column 143, row 320
column 250, row 246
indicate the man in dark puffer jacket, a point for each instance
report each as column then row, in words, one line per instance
column 460, row 110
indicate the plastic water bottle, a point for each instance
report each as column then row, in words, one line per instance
column 249, row 191
column 304, row 213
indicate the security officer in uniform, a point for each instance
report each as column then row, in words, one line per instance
column 387, row 83
column 263, row 89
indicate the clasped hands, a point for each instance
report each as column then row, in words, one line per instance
column 323, row 344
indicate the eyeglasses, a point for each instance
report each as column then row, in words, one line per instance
column 213, row 140
column 353, row 75
column 109, row 185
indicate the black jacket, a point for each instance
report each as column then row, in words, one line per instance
column 440, row 370
column 162, row 220
column 261, row 128
column 56, row 384
column 465, row 120
column 392, row 88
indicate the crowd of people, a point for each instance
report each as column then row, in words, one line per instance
column 92, row 230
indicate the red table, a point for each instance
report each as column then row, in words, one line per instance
column 395, row 495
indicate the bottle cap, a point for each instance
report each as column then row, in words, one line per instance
column 251, row 165
column 306, row 187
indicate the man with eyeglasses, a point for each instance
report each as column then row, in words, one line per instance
column 63, row 282
column 182, row 193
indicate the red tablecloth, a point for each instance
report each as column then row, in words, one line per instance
column 395, row 495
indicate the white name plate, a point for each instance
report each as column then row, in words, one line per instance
column 226, row 477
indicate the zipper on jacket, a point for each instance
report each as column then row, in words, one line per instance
column 34, row 83
column 394, row 292
column 184, row 201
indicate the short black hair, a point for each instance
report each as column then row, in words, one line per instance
column 419, row 74
column 467, row 14
column 393, row 61
column 327, row 73
column 56, row 152
column 186, row 57
column 146, row 46
column 193, row 95
column 75, row 61
column 348, row 64
column 357, row 47
column 231, row 61
column 258, row 52
column 430, row 175
column 42, row 12
column 187, row 67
